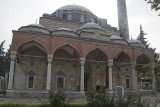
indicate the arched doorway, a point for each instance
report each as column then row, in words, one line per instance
column 121, row 67
column 31, row 67
column 65, row 69
column 144, row 72
column 95, row 71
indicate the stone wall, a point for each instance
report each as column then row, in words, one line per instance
column 119, row 77
column 95, row 34
column 72, row 74
column 53, row 24
column 27, row 64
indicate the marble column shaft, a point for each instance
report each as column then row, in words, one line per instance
column 134, row 80
column 12, row 66
column 82, row 62
column 49, row 69
column 110, row 64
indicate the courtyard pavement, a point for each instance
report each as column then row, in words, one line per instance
column 150, row 99
column 32, row 100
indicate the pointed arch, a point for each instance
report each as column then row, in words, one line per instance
column 144, row 57
column 32, row 40
column 67, row 44
column 32, row 48
column 31, row 44
column 99, row 54
column 124, row 54
column 94, row 48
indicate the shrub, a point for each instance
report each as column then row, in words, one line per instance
column 14, row 105
column 58, row 99
column 100, row 100
column 78, row 105
column 130, row 101
column 103, row 100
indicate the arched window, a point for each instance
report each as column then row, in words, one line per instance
column 69, row 17
column 127, row 81
column 31, row 75
column 65, row 16
column 82, row 18
column 60, row 80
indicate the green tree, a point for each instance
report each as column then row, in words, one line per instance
column 157, row 69
column 157, row 64
column 141, row 37
column 2, row 59
column 155, row 4
column 142, row 68
column 7, row 60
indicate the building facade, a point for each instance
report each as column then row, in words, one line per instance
column 74, row 50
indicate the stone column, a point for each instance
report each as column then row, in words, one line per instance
column 110, row 64
column 82, row 62
column 48, row 85
column 12, row 66
column 134, row 80
column 153, row 76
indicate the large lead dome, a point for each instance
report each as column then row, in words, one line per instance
column 75, row 13
column 74, row 7
column 78, row 16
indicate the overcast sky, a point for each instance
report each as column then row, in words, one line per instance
column 17, row 13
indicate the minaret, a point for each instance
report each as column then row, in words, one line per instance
column 122, row 19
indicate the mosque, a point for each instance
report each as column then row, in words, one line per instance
column 74, row 50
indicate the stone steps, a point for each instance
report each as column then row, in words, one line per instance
column 41, row 94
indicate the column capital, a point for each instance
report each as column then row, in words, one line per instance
column 49, row 58
column 133, row 64
column 110, row 63
column 82, row 61
column 13, row 55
